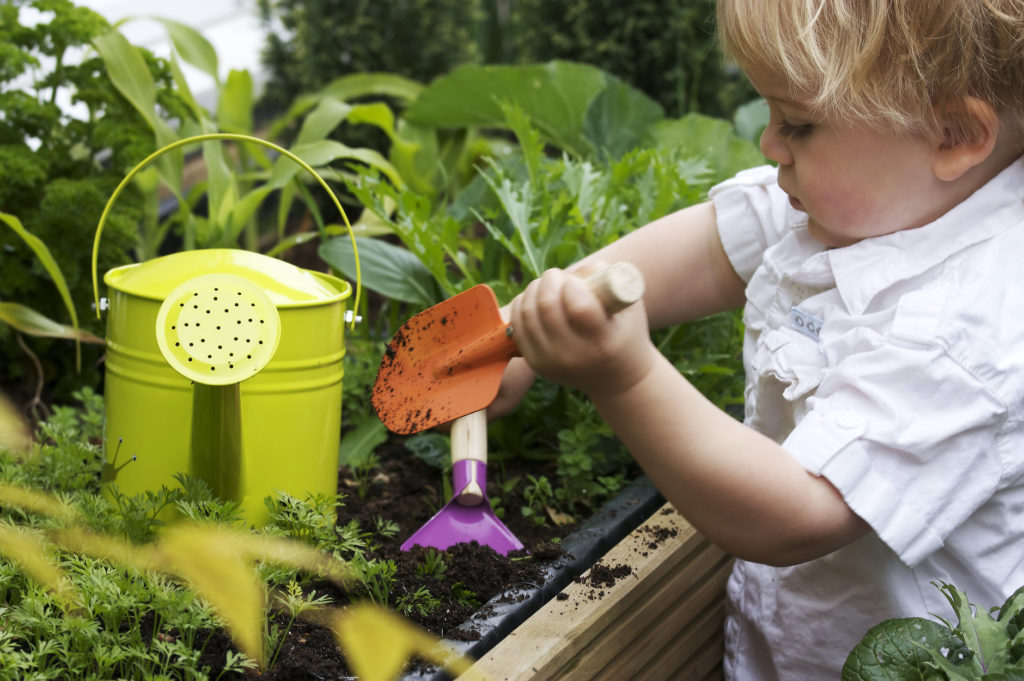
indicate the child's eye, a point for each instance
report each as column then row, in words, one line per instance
column 794, row 131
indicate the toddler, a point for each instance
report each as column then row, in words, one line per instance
column 877, row 265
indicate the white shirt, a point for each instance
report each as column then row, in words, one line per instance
column 895, row 369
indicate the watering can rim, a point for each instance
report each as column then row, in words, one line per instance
column 233, row 258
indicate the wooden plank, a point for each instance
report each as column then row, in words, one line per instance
column 565, row 632
column 660, row 620
column 682, row 633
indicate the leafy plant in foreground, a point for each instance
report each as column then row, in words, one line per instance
column 984, row 644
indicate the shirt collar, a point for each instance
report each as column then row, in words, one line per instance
column 868, row 267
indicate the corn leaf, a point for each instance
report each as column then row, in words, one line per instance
column 27, row 320
column 52, row 268
column 129, row 73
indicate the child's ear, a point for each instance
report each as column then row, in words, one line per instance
column 968, row 144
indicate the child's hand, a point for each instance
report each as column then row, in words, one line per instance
column 565, row 334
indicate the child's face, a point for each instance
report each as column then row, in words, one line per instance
column 853, row 181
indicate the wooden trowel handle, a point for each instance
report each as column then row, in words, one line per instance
column 469, row 442
column 617, row 286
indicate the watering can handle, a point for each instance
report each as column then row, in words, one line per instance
column 207, row 138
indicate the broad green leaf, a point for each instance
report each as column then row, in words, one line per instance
column 618, row 118
column 557, row 97
column 895, row 650
column 235, row 104
column 361, row 441
column 389, row 270
column 701, row 137
column 27, row 320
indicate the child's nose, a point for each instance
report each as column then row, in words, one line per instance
column 774, row 147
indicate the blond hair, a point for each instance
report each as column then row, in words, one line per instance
column 904, row 64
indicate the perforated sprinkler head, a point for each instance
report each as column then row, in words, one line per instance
column 218, row 329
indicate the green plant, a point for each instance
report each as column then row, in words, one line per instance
column 464, row 596
column 984, row 644
column 78, row 603
column 538, row 495
column 433, row 564
column 376, row 577
column 61, row 162
column 420, row 602
column 294, row 602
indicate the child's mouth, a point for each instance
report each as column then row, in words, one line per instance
column 796, row 204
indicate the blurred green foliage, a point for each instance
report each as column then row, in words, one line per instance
column 666, row 48
column 67, row 137
column 312, row 42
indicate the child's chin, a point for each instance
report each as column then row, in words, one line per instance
column 827, row 238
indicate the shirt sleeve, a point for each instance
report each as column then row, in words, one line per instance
column 909, row 438
column 752, row 215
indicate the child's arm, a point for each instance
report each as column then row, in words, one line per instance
column 739, row 488
column 686, row 272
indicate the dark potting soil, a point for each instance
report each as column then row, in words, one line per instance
column 407, row 491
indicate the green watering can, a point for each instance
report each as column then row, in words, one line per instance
column 224, row 364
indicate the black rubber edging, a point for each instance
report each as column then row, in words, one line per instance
column 584, row 547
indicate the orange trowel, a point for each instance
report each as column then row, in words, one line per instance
column 447, row 361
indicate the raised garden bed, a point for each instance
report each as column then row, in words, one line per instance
column 634, row 592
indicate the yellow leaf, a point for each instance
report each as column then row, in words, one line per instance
column 378, row 643
column 14, row 432
column 36, row 502
column 30, row 552
column 212, row 560
column 103, row 547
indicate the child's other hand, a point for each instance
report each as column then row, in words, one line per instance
column 565, row 334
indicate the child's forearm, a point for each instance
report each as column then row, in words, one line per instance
column 738, row 487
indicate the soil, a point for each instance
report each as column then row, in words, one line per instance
column 409, row 491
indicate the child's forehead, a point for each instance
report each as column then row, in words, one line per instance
column 775, row 87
